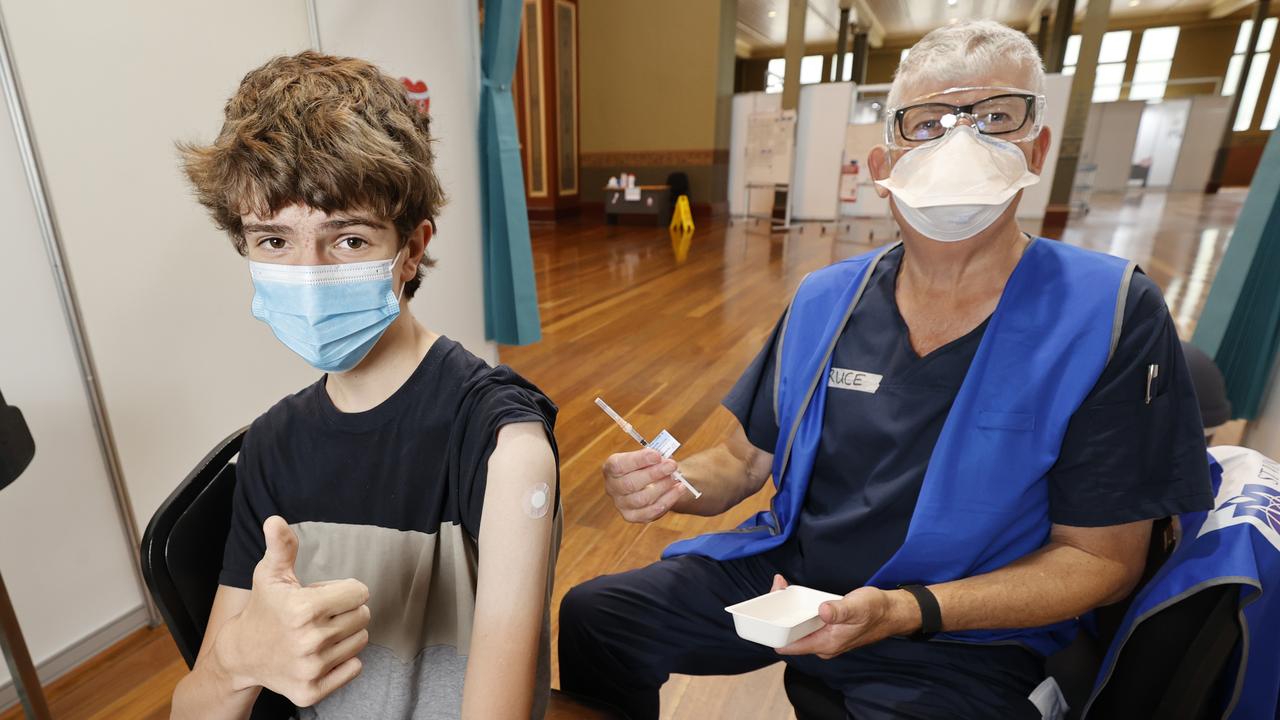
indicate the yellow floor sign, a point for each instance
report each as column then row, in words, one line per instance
column 682, row 218
column 681, row 241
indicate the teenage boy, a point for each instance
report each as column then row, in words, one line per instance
column 395, row 524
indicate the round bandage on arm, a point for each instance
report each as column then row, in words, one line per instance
column 537, row 501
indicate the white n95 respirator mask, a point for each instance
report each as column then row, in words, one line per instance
column 955, row 187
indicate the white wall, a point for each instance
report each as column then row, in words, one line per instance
column 1264, row 431
column 63, row 551
column 165, row 297
column 437, row 42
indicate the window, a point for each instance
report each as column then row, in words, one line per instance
column 1071, row 56
column 774, row 74
column 810, row 72
column 1271, row 116
column 1155, row 57
column 810, row 69
column 1112, row 58
column 1111, row 64
column 1253, row 83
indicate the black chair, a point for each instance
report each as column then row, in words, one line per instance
column 679, row 184
column 182, row 558
column 1172, row 665
column 1211, row 388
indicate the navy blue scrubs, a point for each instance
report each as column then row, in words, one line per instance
column 1122, row 459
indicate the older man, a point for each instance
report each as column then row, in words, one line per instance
column 970, row 431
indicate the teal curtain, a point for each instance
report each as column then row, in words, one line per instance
column 1240, row 325
column 511, row 293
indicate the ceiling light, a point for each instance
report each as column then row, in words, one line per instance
column 952, row 3
column 773, row 13
column 1134, row 3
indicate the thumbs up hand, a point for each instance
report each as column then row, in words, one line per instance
column 276, row 566
column 299, row 641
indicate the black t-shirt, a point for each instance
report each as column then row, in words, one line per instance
column 415, row 462
column 1121, row 460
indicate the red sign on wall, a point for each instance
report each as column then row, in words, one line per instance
column 418, row 93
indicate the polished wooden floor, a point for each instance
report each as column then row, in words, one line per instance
column 661, row 331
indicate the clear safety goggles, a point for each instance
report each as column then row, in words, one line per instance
column 1008, row 113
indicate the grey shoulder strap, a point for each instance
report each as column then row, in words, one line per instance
column 777, row 350
column 1122, row 297
column 782, row 332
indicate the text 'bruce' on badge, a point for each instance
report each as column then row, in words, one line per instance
column 853, row 380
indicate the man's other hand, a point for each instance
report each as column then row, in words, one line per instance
column 641, row 484
column 299, row 641
column 862, row 617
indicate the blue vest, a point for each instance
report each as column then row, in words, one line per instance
column 984, row 501
column 1237, row 543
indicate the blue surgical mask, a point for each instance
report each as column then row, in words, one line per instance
column 330, row 315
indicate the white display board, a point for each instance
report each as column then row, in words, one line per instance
column 820, row 130
column 770, row 147
column 1109, row 141
column 1205, row 124
column 744, row 105
column 1035, row 199
column 858, row 142
column 1160, row 133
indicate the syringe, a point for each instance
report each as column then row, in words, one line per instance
column 666, row 450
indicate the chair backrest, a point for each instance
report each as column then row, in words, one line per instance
column 182, row 556
column 17, row 448
column 1172, row 665
column 679, row 184
column 1139, row 684
column 182, row 546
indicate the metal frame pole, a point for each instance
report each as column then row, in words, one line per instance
column 842, row 44
column 861, row 49
column 16, row 656
column 1063, row 17
column 313, row 24
column 1042, row 34
column 793, row 53
column 71, row 308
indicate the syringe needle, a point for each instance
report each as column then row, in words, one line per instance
column 626, row 426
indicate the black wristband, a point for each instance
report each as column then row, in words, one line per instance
column 930, row 612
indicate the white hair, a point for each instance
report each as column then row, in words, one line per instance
column 958, row 55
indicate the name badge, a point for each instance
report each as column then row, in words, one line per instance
column 854, row 380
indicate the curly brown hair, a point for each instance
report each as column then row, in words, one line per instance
column 332, row 133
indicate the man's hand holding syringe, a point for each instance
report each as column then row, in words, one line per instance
column 646, row 484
